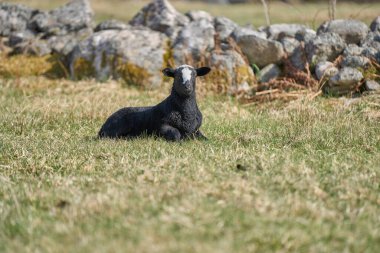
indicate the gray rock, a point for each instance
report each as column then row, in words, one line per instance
column 135, row 54
column 197, row 15
column 241, row 31
column 298, row 57
column 289, row 44
column 371, row 40
column 63, row 45
column 325, row 47
column 353, row 49
column 278, row 31
column 272, row 71
column 14, row 18
column 236, row 72
column 371, row 85
column 372, row 53
column 20, row 37
column 352, row 31
column 161, row 16
column 261, row 51
column 306, row 35
column 111, row 24
column 325, row 70
column 355, row 61
column 194, row 41
column 375, row 25
column 32, row 47
column 224, row 27
column 371, row 46
column 345, row 81
column 70, row 18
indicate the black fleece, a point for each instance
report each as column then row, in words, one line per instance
column 176, row 118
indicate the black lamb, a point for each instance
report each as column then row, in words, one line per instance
column 176, row 118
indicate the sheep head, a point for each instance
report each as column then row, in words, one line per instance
column 184, row 78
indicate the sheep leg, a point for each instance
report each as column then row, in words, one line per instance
column 199, row 135
column 170, row 133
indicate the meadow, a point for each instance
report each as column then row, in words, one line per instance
column 302, row 176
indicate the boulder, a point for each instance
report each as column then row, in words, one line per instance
column 224, row 27
column 355, row 61
column 298, row 58
column 375, row 25
column 353, row 49
column 194, row 42
column 62, row 45
column 325, row 47
column 111, row 24
column 137, row 55
column 289, row 44
column 20, row 37
column 161, row 16
column 352, row 31
column 32, row 47
column 261, row 51
column 230, row 68
column 325, row 70
column 344, row 82
column 371, row 85
column 278, row 31
column 71, row 18
column 241, row 31
column 197, row 15
column 371, row 46
column 270, row 72
column 14, row 18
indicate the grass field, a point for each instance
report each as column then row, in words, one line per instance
column 297, row 177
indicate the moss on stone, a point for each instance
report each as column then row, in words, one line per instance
column 132, row 74
column 24, row 65
column 83, row 69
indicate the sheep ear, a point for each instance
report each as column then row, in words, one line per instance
column 203, row 71
column 168, row 72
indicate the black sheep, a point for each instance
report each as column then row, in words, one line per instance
column 176, row 118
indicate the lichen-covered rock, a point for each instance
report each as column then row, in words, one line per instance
column 355, row 61
column 353, row 49
column 278, row 31
column 20, row 37
column 325, row 47
column 241, row 31
column 70, row 18
column 325, row 70
column 197, row 15
column 261, row 51
column 375, row 25
column 270, row 72
column 230, row 68
column 14, row 18
column 63, row 45
column 371, row 85
column 224, row 27
column 344, row 82
column 135, row 54
column 111, row 24
column 32, row 47
column 352, row 31
column 161, row 16
column 194, row 42
column 289, row 44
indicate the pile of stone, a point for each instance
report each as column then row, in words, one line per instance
column 339, row 53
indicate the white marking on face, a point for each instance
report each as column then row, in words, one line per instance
column 186, row 75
